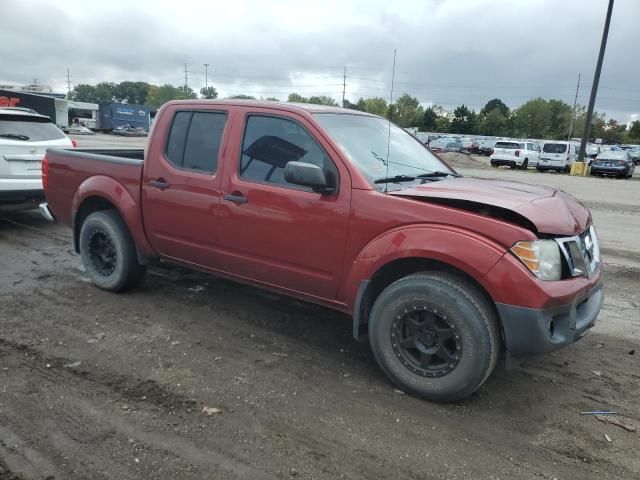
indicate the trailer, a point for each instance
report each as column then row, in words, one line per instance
column 113, row 115
column 54, row 108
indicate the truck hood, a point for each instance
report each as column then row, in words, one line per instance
column 545, row 210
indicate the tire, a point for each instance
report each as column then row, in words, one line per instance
column 513, row 166
column 456, row 310
column 494, row 165
column 108, row 252
column 525, row 164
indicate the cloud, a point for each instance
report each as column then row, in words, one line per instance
column 449, row 51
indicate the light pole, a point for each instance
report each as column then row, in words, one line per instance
column 594, row 86
column 206, row 72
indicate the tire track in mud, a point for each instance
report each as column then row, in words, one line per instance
column 142, row 396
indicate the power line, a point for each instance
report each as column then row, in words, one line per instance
column 186, row 78
column 344, row 84
column 68, row 81
column 206, row 77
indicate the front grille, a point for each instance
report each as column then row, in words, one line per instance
column 581, row 253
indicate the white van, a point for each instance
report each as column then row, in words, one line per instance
column 24, row 137
column 558, row 156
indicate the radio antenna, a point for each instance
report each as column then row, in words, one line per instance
column 393, row 75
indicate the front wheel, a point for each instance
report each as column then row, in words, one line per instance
column 434, row 335
column 525, row 164
column 108, row 252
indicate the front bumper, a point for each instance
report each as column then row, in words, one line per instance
column 529, row 331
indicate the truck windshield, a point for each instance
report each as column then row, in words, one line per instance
column 364, row 140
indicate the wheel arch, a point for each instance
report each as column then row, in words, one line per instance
column 370, row 289
column 104, row 193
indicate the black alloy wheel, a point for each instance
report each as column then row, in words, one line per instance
column 425, row 342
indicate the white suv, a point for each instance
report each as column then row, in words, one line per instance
column 515, row 154
column 24, row 137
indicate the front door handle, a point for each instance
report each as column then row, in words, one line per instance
column 159, row 183
column 236, row 198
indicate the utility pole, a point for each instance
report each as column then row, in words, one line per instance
column 573, row 113
column 186, row 78
column 206, row 71
column 344, row 85
column 68, row 82
column 594, row 86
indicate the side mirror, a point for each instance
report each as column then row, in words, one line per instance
column 308, row 175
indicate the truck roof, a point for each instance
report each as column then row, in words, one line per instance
column 285, row 106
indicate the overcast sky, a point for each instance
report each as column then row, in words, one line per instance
column 449, row 51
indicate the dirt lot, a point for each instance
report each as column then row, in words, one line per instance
column 103, row 386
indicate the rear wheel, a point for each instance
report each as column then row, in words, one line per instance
column 108, row 252
column 434, row 335
column 525, row 164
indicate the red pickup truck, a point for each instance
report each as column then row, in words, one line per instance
column 344, row 209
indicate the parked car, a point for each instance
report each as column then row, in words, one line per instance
column 24, row 136
column 471, row 145
column 447, row 144
column 515, row 154
column 634, row 152
column 558, row 156
column 441, row 273
column 486, row 147
column 616, row 163
column 130, row 131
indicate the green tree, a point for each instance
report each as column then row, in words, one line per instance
column 131, row 92
column 159, row 95
column 297, row 98
column 376, row 106
column 186, row 93
column 633, row 134
column 429, row 118
column 492, row 105
column 532, row 119
column 323, row 100
column 406, row 111
column 614, row 132
column 83, row 93
column 560, row 119
column 494, row 123
column 464, row 120
column 105, row 92
column 443, row 124
column 209, row 93
column 348, row 104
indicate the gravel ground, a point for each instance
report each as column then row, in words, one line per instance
column 190, row 377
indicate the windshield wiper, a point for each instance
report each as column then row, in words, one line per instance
column 437, row 174
column 395, row 179
column 17, row 136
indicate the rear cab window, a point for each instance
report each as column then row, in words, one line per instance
column 28, row 128
column 194, row 140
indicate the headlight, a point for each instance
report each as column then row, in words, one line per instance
column 542, row 257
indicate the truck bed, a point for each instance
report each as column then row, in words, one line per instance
column 69, row 169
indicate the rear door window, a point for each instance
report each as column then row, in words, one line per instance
column 28, row 129
column 195, row 139
column 554, row 148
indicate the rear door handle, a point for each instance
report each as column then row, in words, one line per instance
column 236, row 198
column 160, row 183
